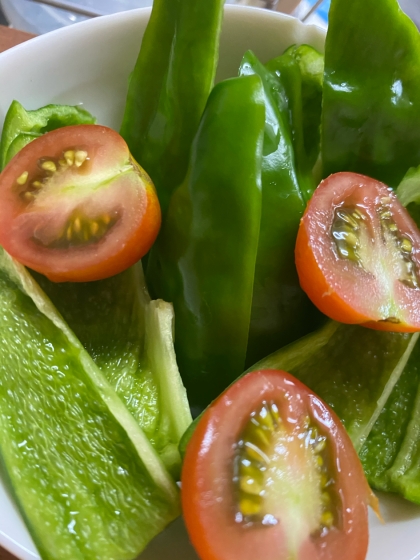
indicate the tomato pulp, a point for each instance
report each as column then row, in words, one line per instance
column 271, row 473
column 358, row 254
column 75, row 206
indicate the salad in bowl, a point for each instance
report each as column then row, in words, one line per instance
column 230, row 118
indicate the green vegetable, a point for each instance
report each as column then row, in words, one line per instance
column 204, row 259
column 389, row 454
column 352, row 368
column 408, row 191
column 300, row 70
column 371, row 99
column 130, row 339
column 87, row 481
column 22, row 126
column 169, row 88
column 281, row 311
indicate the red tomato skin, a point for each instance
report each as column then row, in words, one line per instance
column 112, row 254
column 316, row 286
column 315, row 271
column 207, row 501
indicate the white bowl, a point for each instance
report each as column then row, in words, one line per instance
column 89, row 63
column 40, row 18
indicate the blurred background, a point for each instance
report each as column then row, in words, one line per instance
column 41, row 17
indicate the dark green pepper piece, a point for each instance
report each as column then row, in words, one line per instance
column 300, row 98
column 281, row 311
column 371, row 102
column 204, row 259
column 169, row 88
column 404, row 474
column 311, row 64
column 22, row 126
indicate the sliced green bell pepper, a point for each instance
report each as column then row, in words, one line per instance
column 299, row 98
column 21, row 126
column 169, row 88
column 85, row 478
column 204, row 259
column 130, row 339
column 281, row 311
column 371, row 100
column 386, row 445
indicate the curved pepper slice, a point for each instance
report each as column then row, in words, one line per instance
column 22, row 126
column 299, row 99
column 83, row 474
column 204, row 259
column 281, row 312
column 169, row 87
column 371, row 98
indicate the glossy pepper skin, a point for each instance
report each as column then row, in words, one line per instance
column 281, row 311
column 204, row 259
column 300, row 70
column 169, row 87
column 371, row 103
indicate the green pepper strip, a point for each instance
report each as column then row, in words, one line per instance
column 169, row 88
column 299, row 98
column 371, row 102
column 130, row 339
column 85, row 478
column 22, row 126
column 281, row 312
column 204, row 260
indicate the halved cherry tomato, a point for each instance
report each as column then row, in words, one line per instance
column 75, row 206
column 270, row 473
column 358, row 254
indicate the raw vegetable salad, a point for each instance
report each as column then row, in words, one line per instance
column 88, row 370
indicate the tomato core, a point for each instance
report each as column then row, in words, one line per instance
column 268, row 486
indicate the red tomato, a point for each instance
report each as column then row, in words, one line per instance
column 75, row 206
column 270, row 473
column 358, row 254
